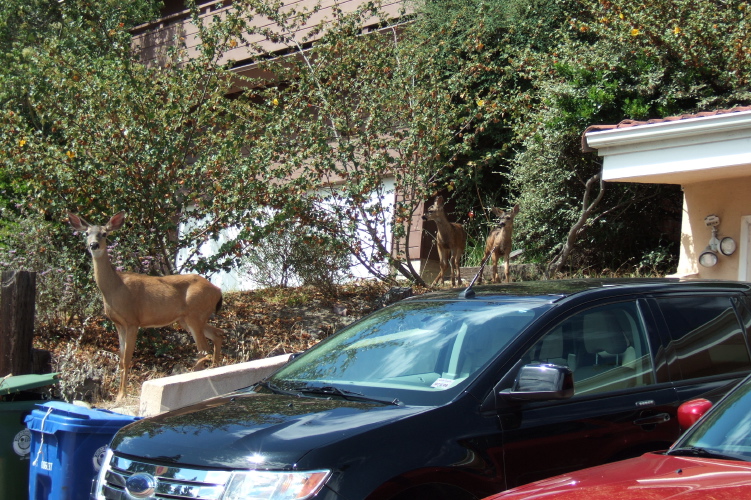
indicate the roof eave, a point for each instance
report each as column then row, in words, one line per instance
column 679, row 150
column 606, row 139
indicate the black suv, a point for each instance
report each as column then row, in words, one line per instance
column 453, row 395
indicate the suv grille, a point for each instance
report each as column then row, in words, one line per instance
column 171, row 482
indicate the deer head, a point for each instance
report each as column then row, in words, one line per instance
column 435, row 211
column 505, row 219
column 96, row 236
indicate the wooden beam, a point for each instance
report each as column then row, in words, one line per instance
column 17, row 310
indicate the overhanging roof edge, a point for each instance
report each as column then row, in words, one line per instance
column 596, row 138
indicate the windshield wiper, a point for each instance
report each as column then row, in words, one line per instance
column 349, row 395
column 695, row 451
column 276, row 389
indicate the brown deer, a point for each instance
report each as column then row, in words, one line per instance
column 499, row 241
column 133, row 300
column 451, row 240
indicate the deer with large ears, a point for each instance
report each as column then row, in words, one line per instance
column 499, row 241
column 451, row 241
column 133, row 300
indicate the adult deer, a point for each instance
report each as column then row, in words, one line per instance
column 499, row 241
column 451, row 240
column 133, row 300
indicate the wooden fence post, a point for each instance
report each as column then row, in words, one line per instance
column 17, row 310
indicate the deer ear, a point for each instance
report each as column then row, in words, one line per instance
column 516, row 209
column 78, row 223
column 439, row 200
column 116, row 221
column 497, row 211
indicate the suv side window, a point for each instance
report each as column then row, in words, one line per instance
column 743, row 306
column 705, row 335
column 605, row 347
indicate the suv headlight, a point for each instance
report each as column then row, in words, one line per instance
column 274, row 485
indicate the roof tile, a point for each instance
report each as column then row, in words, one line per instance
column 636, row 123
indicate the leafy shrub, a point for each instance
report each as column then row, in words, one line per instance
column 87, row 377
column 65, row 286
column 297, row 255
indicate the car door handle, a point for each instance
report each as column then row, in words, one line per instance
column 653, row 419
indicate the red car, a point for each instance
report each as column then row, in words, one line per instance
column 711, row 461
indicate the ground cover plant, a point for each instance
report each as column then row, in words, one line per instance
column 258, row 324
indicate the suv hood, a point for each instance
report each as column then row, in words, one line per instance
column 250, row 430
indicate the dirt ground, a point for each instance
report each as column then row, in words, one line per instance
column 257, row 324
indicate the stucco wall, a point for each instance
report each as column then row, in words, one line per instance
column 730, row 200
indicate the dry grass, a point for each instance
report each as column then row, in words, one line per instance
column 257, row 324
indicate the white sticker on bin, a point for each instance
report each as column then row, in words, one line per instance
column 22, row 443
column 98, row 457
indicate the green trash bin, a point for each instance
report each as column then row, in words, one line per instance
column 17, row 400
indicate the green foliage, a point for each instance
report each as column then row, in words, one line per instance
column 659, row 261
column 550, row 69
column 297, row 255
column 87, row 127
column 690, row 55
column 485, row 100
column 615, row 61
column 63, row 269
column 353, row 110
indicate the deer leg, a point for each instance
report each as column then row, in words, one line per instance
column 456, row 270
column 506, row 267
column 196, row 329
column 216, row 336
column 127, row 335
column 494, row 258
column 452, row 269
column 479, row 278
column 443, row 263
column 458, row 266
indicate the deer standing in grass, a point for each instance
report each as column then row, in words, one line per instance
column 133, row 300
column 499, row 241
column 451, row 240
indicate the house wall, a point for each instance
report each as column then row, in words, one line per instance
column 239, row 279
column 729, row 199
column 152, row 40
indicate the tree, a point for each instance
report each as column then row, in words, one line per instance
column 86, row 126
column 617, row 61
column 342, row 116
column 561, row 66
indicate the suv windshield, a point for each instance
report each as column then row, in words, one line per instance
column 725, row 432
column 417, row 352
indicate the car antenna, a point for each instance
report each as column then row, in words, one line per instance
column 469, row 293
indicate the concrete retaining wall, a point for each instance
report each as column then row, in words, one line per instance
column 168, row 393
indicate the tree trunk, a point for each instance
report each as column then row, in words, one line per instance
column 17, row 322
column 579, row 227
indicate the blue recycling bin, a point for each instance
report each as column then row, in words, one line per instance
column 67, row 445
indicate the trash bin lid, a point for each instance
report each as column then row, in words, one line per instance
column 55, row 416
column 17, row 383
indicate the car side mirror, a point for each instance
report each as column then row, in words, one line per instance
column 691, row 411
column 541, row 382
